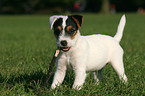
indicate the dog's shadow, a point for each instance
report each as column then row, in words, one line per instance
column 33, row 81
column 30, row 81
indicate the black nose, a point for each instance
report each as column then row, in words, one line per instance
column 64, row 43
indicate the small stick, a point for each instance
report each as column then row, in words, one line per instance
column 51, row 67
column 50, row 71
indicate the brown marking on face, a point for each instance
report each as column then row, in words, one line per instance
column 59, row 28
column 68, row 28
column 73, row 36
column 77, row 22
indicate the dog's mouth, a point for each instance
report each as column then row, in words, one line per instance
column 65, row 49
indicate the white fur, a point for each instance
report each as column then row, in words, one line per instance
column 120, row 29
column 90, row 53
column 52, row 19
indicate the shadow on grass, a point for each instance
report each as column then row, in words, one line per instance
column 32, row 81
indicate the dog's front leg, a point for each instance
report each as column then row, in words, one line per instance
column 80, row 75
column 60, row 72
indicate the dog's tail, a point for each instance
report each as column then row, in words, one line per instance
column 120, row 29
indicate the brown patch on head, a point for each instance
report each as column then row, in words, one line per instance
column 73, row 36
column 77, row 22
column 68, row 28
column 59, row 28
column 57, row 31
column 71, row 31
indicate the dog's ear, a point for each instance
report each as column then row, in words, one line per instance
column 78, row 19
column 52, row 20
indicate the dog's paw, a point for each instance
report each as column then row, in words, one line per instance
column 76, row 87
column 53, row 87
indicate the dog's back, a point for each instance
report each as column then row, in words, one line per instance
column 99, row 49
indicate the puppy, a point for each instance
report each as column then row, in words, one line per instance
column 85, row 53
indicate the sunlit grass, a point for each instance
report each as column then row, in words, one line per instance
column 27, row 45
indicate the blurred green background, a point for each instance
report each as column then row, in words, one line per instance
column 62, row 6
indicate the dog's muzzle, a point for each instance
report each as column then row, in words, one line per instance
column 64, row 46
column 65, row 49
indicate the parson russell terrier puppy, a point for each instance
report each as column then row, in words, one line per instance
column 85, row 53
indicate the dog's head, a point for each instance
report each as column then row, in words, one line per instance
column 66, row 30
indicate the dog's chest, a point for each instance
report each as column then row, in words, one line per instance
column 68, row 61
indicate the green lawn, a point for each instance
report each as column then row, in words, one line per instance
column 27, row 45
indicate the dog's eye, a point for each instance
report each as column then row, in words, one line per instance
column 72, row 30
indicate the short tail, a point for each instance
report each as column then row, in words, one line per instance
column 120, row 29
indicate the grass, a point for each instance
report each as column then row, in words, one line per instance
column 27, row 45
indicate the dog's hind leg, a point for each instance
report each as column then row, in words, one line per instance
column 117, row 64
column 99, row 77
column 96, row 80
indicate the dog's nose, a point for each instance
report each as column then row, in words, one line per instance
column 63, row 43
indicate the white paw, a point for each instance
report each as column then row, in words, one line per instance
column 77, row 87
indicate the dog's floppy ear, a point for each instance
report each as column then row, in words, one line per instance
column 52, row 20
column 78, row 19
